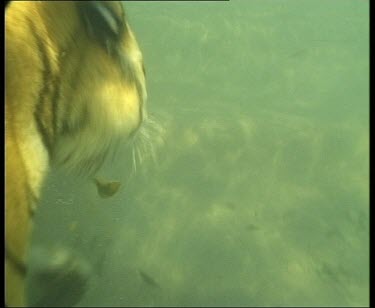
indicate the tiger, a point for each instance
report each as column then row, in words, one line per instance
column 75, row 88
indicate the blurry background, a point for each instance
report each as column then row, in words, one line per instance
column 255, row 191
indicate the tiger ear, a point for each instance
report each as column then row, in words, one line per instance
column 102, row 22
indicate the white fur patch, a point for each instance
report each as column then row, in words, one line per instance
column 35, row 157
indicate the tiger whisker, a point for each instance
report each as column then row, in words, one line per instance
column 134, row 161
column 153, row 154
column 140, row 158
column 144, row 145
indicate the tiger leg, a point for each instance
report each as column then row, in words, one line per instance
column 18, row 221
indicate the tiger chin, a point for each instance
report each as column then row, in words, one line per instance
column 75, row 88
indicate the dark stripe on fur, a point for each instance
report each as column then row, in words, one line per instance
column 56, row 94
column 74, row 82
column 17, row 264
column 40, row 107
column 32, row 201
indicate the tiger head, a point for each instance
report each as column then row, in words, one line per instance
column 111, row 107
column 85, row 75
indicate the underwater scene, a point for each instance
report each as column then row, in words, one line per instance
column 249, row 182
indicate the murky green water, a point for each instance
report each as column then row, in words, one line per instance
column 258, row 192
